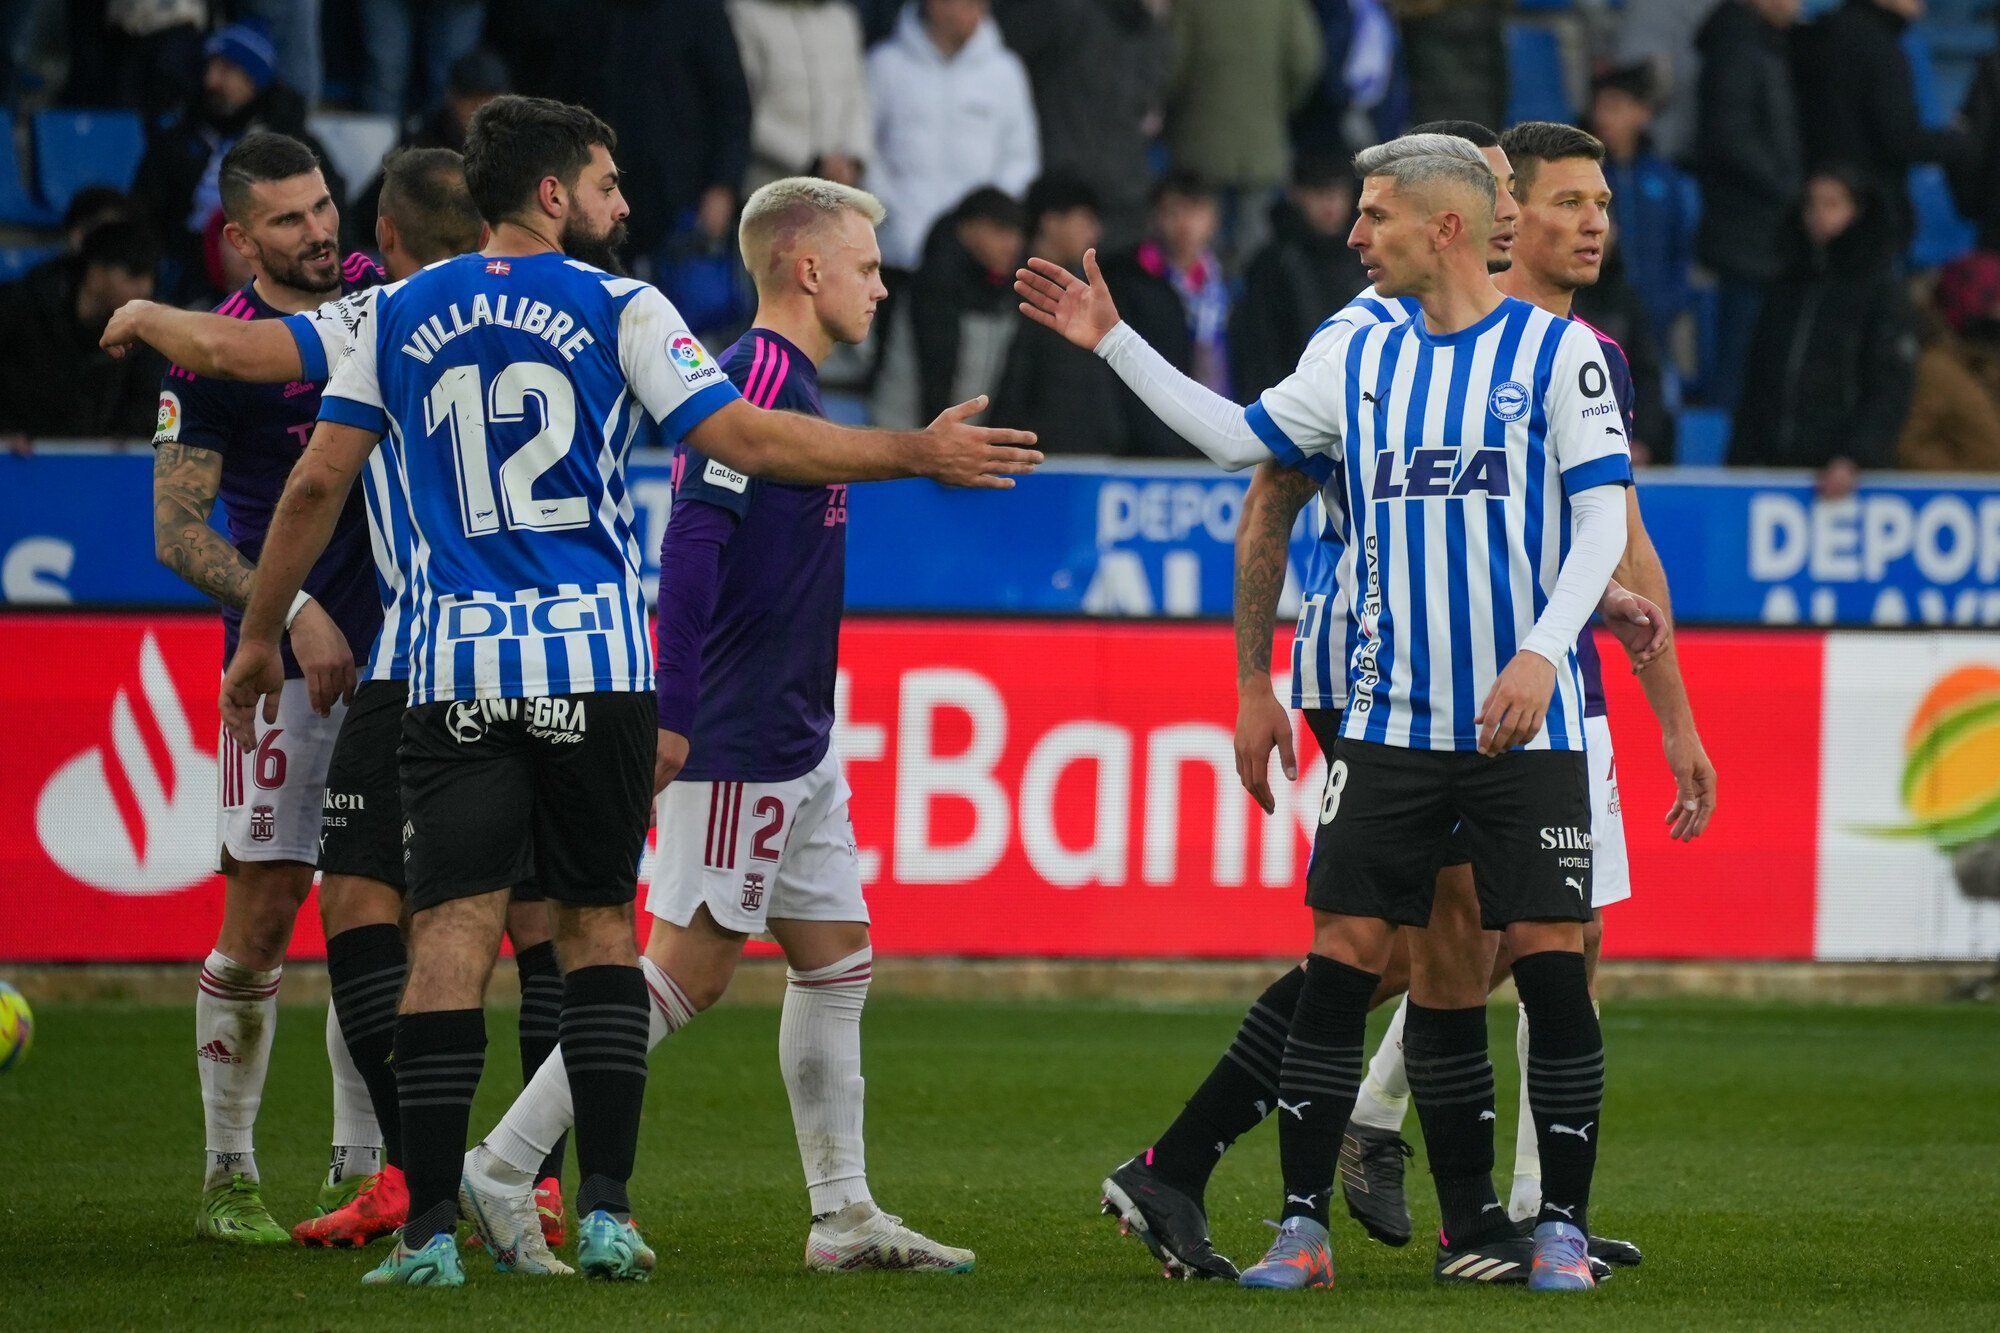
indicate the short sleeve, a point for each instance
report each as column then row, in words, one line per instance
column 324, row 334
column 705, row 480
column 1586, row 429
column 353, row 396
column 194, row 412
column 672, row 375
column 1298, row 419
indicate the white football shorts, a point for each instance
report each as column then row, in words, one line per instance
column 1610, row 869
column 757, row 850
column 274, row 797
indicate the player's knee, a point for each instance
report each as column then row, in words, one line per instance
column 704, row 986
column 348, row 902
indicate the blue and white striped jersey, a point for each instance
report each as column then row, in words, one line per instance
column 509, row 392
column 1326, row 635
column 323, row 337
column 1457, row 454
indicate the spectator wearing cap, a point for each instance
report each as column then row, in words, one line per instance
column 1750, row 164
column 808, row 86
column 1069, row 397
column 441, row 31
column 1099, row 71
column 1653, row 203
column 176, row 187
column 55, row 380
column 949, row 340
column 1831, row 360
column 1858, row 103
column 1298, row 280
column 953, row 113
column 476, row 78
column 1240, row 68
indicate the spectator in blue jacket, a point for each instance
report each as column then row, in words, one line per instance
column 1654, row 204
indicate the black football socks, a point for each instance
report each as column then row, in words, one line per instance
column 366, row 967
column 439, row 1056
column 1319, row 1075
column 541, row 1026
column 1451, row 1080
column 1237, row 1094
column 1565, row 1079
column 604, row 1029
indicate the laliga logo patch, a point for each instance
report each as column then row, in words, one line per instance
column 168, row 425
column 1509, row 400
column 690, row 360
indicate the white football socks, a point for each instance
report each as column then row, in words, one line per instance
column 545, row 1111
column 819, row 1049
column 357, row 1139
column 235, row 1016
column 1385, row 1094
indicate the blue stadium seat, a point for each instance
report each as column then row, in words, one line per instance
column 18, row 204
column 1536, row 86
column 1703, row 439
column 16, row 260
column 75, row 148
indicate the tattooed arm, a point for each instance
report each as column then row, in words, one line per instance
column 185, row 480
column 1263, row 542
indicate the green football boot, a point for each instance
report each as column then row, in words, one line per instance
column 236, row 1213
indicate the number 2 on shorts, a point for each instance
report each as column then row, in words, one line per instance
column 1336, row 783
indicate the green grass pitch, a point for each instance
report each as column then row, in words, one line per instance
column 1781, row 1166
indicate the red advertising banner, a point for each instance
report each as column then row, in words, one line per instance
column 1050, row 789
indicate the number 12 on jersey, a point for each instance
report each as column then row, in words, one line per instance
column 461, row 403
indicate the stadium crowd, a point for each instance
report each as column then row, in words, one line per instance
column 1770, row 261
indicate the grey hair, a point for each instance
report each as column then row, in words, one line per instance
column 798, row 203
column 1377, row 160
column 1418, row 173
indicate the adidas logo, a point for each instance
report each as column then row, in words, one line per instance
column 219, row 1053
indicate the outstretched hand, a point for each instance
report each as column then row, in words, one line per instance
column 1080, row 309
column 987, row 457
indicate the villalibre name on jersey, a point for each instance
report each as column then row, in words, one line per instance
column 537, row 317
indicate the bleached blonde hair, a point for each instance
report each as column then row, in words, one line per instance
column 779, row 215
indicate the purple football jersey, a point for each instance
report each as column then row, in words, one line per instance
column 260, row 430
column 751, row 683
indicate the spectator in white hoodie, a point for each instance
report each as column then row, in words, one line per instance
column 952, row 113
column 808, row 90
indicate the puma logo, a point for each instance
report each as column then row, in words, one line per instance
column 1306, row 1201
column 1583, row 1133
column 1613, row 430
column 1299, row 1110
column 1488, row 1115
column 1370, row 399
column 1569, row 1212
column 1574, row 883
